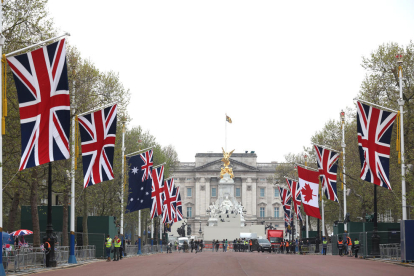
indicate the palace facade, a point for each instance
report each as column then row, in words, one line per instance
column 254, row 188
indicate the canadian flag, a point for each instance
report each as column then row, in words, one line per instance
column 309, row 189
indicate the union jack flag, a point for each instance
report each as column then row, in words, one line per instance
column 41, row 80
column 374, row 136
column 294, row 188
column 178, row 207
column 157, row 192
column 285, row 198
column 328, row 165
column 170, row 197
column 148, row 163
column 98, row 132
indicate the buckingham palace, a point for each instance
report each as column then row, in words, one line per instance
column 253, row 187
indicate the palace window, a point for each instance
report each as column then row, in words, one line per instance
column 189, row 192
column 213, row 192
column 276, row 212
column 189, row 212
column 262, row 212
column 262, row 190
column 238, row 192
column 276, row 192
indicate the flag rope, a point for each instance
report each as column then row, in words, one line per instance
column 4, row 93
column 398, row 137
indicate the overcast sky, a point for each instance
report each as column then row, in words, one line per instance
column 279, row 69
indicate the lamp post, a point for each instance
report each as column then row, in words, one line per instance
column 343, row 162
column 399, row 58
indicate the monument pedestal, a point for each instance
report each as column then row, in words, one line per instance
column 227, row 215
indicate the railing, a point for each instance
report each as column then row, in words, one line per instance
column 32, row 258
column 391, row 251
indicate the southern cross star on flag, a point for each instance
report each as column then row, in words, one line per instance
column 140, row 182
column 309, row 187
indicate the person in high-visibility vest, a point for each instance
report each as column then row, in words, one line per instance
column 349, row 244
column 356, row 247
column 117, row 245
column 47, row 248
column 287, row 246
column 324, row 245
column 340, row 246
column 108, row 247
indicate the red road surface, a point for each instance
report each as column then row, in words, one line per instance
column 237, row 264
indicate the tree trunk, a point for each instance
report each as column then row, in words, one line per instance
column 85, row 219
column 33, row 205
column 13, row 210
column 65, row 217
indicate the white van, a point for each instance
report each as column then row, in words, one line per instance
column 181, row 242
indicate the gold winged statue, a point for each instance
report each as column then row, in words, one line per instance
column 226, row 161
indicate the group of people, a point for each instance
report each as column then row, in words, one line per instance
column 241, row 245
column 347, row 246
column 195, row 245
column 117, row 248
column 287, row 246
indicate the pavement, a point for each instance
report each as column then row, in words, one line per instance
column 235, row 263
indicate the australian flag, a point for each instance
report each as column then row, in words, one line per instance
column 140, row 182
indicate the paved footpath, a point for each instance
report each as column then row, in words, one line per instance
column 237, row 264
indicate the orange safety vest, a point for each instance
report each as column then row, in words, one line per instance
column 287, row 244
column 48, row 245
column 251, row 243
column 349, row 241
column 339, row 242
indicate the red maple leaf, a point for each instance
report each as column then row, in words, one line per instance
column 307, row 193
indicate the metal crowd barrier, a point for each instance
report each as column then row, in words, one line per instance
column 32, row 258
column 391, row 251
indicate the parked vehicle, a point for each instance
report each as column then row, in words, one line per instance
column 261, row 245
column 181, row 243
column 275, row 237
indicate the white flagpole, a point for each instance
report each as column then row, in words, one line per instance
column 307, row 220
column 139, row 232
column 123, row 185
column 152, row 233
column 2, row 40
column 401, row 104
column 343, row 164
column 323, row 217
column 161, row 232
column 72, row 257
column 37, row 44
column 225, row 136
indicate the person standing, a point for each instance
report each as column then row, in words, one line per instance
column 213, row 245
column 349, row 245
column 324, row 245
column 196, row 243
column 201, row 245
column 340, row 246
column 287, row 246
column 224, row 246
column 117, row 245
column 217, row 245
column 108, row 247
column 47, row 248
column 356, row 247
